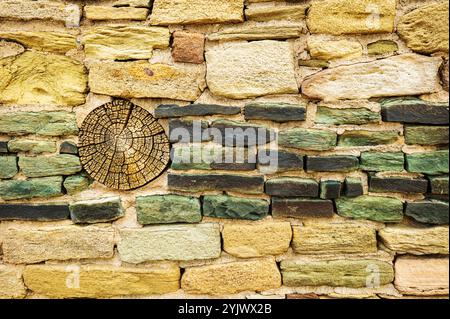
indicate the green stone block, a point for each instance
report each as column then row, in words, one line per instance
column 76, row 183
column 327, row 115
column 367, row 138
column 439, row 185
column 222, row 206
column 48, row 123
column 308, row 139
column 362, row 273
column 8, row 166
column 432, row 212
column 426, row 135
column 431, row 163
column 379, row 162
column 382, row 47
column 31, row 188
column 32, row 146
column 380, row 209
column 166, row 209
column 50, row 166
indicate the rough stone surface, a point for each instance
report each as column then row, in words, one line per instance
column 3, row 147
column 287, row 161
column 50, row 166
column 330, row 189
column 382, row 161
column 308, row 139
column 167, row 209
column 68, row 147
column 291, row 12
column 57, row 42
column 31, row 188
column 382, row 47
column 397, row 185
column 171, row 110
column 336, row 163
column 100, row 13
column 233, row 71
column 429, row 212
column 381, row 209
column 231, row 278
column 426, row 135
column 431, row 163
column 178, row 242
column 302, row 208
column 188, row 47
column 96, row 211
column 8, row 166
column 34, row 212
column 10, row 49
column 407, row 74
column 292, row 187
column 11, row 284
column 101, row 281
column 231, row 207
column 367, row 138
column 32, row 146
column 444, row 74
column 353, row 187
column 76, row 183
column 439, row 185
column 326, row 49
column 29, row 246
column 277, row 112
column 336, row 116
column 256, row 240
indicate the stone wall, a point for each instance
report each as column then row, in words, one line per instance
column 354, row 91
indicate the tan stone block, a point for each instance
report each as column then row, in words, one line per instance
column 11, row 285
column 290, row 12
column 414, row 240
column 188, row 47
column 57, row 42
column 233, row 277
column 101, row 281
column 257, row 239
column 9, row 49
column 23, row 245
column 113, row 13
column 422, row 276
column 326, row 49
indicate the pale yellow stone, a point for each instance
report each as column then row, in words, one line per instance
column 142, row 79
column 332, row 238
column 425, row 29
column 416, row 241
column 11, row 285
column 402, row 75
column 27, row 246
column 37, row 78
column 256, row 239
column 8, row 49
column 351, row 16
column 326, row 49
column 258, row 31
column 292, row 12
column 113, row 13
column 243, row 70
column 124, row 42
column 101, row 281
column 57, row 42
column 422, row 276
column 167, row 12
column 233, row 277
column 132, row 3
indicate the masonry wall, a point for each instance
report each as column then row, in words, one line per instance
column 356, row 93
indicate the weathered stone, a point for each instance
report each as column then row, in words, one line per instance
column 34, row 212
column 167, row 12
column 357, row 273
column 277, row 112
column 334, row 238
column 378, row 162
column 167, row 209
column 353, row 187
column 68, row 147
column 171, row 110
column 380, row 209
column 11, row 284
column 232, row 278
column 431, row 163
column 428, row 212
column 40, row 123
column 188, row 131
column 10, row 49
column 292, row 187
column 382, row 47
column 326, row 49
column 31, row 188
column 96, row 211
column 314, row 64
column 415, row 240
column 367, row 138
column 26, row 10
column 3, row 147
column 397, row 185
column 132, row 3
column 256, row 240
column 426, row 135
column 422, row 276
column 222, row 206
column 406, row 74
column 444, row 74
column 8, row 166
column 32, row 146
column 101, row 281
column 439, row 185
column 141, row 79
column 76, row 183
column 223, row 182
column 336, row 116
column 240, row 134
column 330, row 189
column 124, row 42
column 57, row 42
column 115, row 13
column 302, row 208
column 308, row 139
column 334, row 163
column 425, row 30
column 290, row 12
column 287, row 161
column 50, row 166
column 233, row 71
column 59, row 80
column 178, row 242
column 29, row 246
column 188, row 47
column 415, row 111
